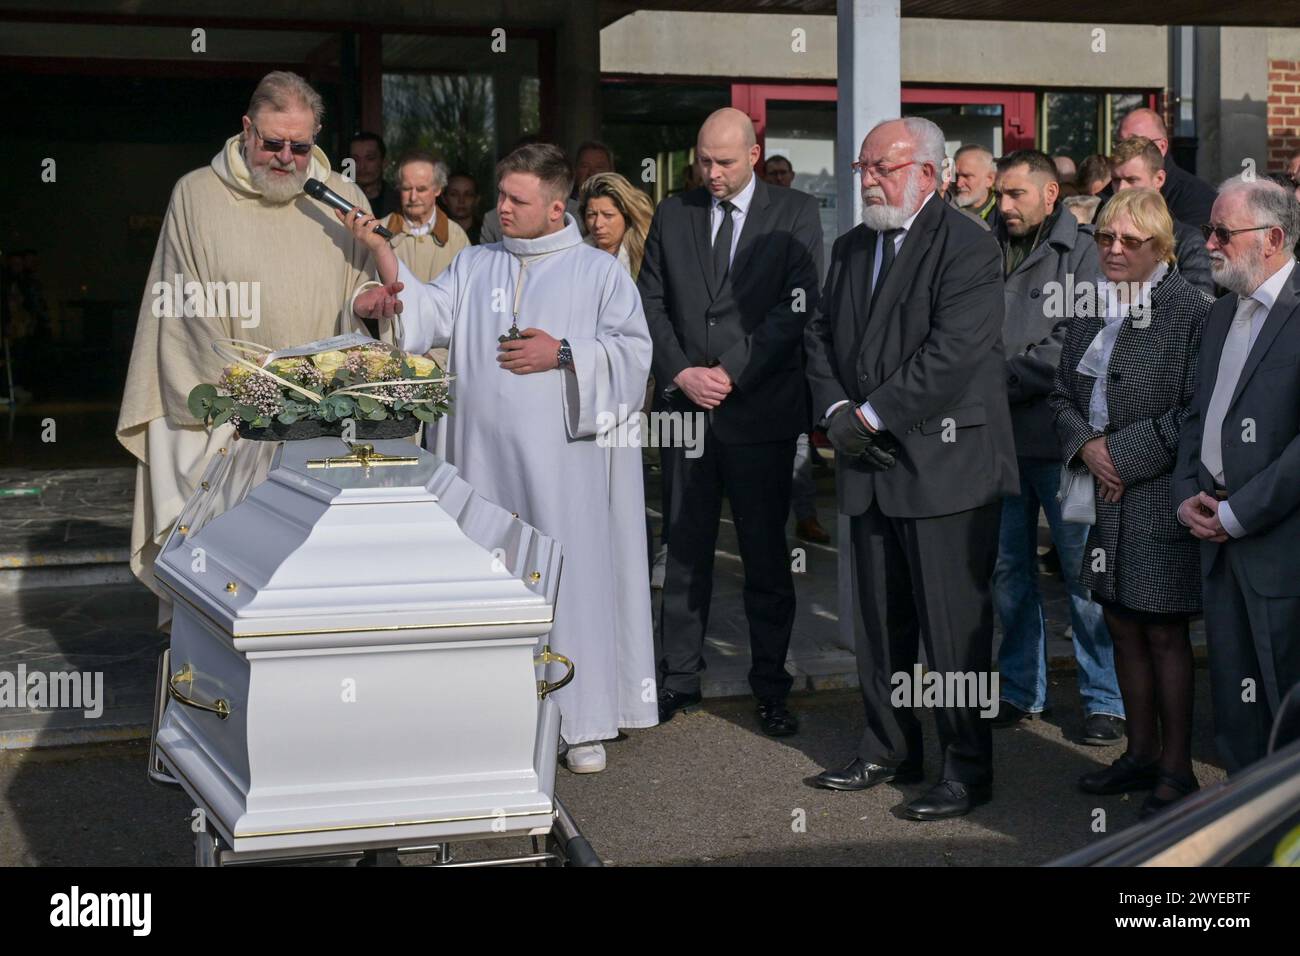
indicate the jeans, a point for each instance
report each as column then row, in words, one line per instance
column 803, row 498
column 1022, row 659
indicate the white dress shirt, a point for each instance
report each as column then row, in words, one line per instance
column 1266, row 295
column 879, row 258
column 741, row 201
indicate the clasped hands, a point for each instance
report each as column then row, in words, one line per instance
column 852, row 437
column 1096, row 456
column 705, row 386
column 1201, row 515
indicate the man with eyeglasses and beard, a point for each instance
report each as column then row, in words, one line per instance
column 905, row 361
column 1236, row 484
column 241, row 225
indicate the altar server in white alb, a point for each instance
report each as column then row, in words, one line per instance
column 528, row 413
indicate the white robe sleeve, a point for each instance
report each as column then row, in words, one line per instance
column 607, row 383
column 429, row 308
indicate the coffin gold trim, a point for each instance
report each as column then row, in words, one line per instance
column 549, row 619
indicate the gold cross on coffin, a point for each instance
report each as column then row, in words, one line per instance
column 363, row 456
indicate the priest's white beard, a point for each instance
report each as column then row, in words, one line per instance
column 275, row 188
column 885, row 217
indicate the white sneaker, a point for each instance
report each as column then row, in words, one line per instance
column 586, row 758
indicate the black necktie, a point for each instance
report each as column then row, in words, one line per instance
column 888, row 237
column 722, row 242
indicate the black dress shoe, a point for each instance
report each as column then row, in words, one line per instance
column 1123, row 775
column 1182, row 787
column 948, row 798
column 1102, row 730
column 1009, row 715
column 776, row 720
column 671, row 701
column 860, row 775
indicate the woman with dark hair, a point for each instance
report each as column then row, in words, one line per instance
column 1126, row 376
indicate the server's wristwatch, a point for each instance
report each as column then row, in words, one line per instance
column 564, row 358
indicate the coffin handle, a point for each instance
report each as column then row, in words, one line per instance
column 186, row 675
column 548, row 656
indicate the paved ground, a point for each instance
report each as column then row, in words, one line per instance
column 707, row 788
column 75, row 534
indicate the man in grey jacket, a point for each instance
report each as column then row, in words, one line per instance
column 1046, row 255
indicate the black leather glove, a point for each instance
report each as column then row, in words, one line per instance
column 881, row 452
column 846, row 432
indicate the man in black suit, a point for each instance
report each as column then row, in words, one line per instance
column 1236, row 483
column 729, row 278
column 1188, row 197
column 905, row 359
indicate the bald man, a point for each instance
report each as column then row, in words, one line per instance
column 729, row 279
column 1188, row 197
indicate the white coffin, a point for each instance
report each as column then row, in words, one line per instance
column 372, row 633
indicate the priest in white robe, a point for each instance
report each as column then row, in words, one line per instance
column 527, row 416
column 266, row 264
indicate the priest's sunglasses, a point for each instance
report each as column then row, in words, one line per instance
column 277, row 145
column 1106, row 239
column 879, row 171
column 1224, row 234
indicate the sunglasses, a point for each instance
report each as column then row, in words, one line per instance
column 1106, row 239
column 277, row 145
column 1224, row 234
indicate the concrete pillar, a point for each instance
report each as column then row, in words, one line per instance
column 869, row 89
column 1242, row 102
column 578, row 74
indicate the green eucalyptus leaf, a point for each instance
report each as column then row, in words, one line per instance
column 199, row 399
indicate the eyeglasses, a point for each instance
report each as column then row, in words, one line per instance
column 277, row 145
column 1106, row 239
column 1224, row 234
column 879, row 170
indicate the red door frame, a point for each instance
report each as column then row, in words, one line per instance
column 1019, row 107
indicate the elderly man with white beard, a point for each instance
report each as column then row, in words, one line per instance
column 242, row 225
column 1236, row 483
column 905, row 360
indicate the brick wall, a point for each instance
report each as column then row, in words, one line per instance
column 1283, row 113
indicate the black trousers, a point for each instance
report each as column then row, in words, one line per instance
column 756, row 480
column 925, row 582
column 1248, row 636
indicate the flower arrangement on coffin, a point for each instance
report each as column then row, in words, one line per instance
column 301, row 393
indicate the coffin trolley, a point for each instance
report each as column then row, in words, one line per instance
column 358, row 664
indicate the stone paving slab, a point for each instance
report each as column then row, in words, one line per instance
column 81, row 516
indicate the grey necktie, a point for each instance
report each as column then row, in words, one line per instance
column 1233, row 359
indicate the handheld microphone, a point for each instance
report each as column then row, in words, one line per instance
column 318, row 190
